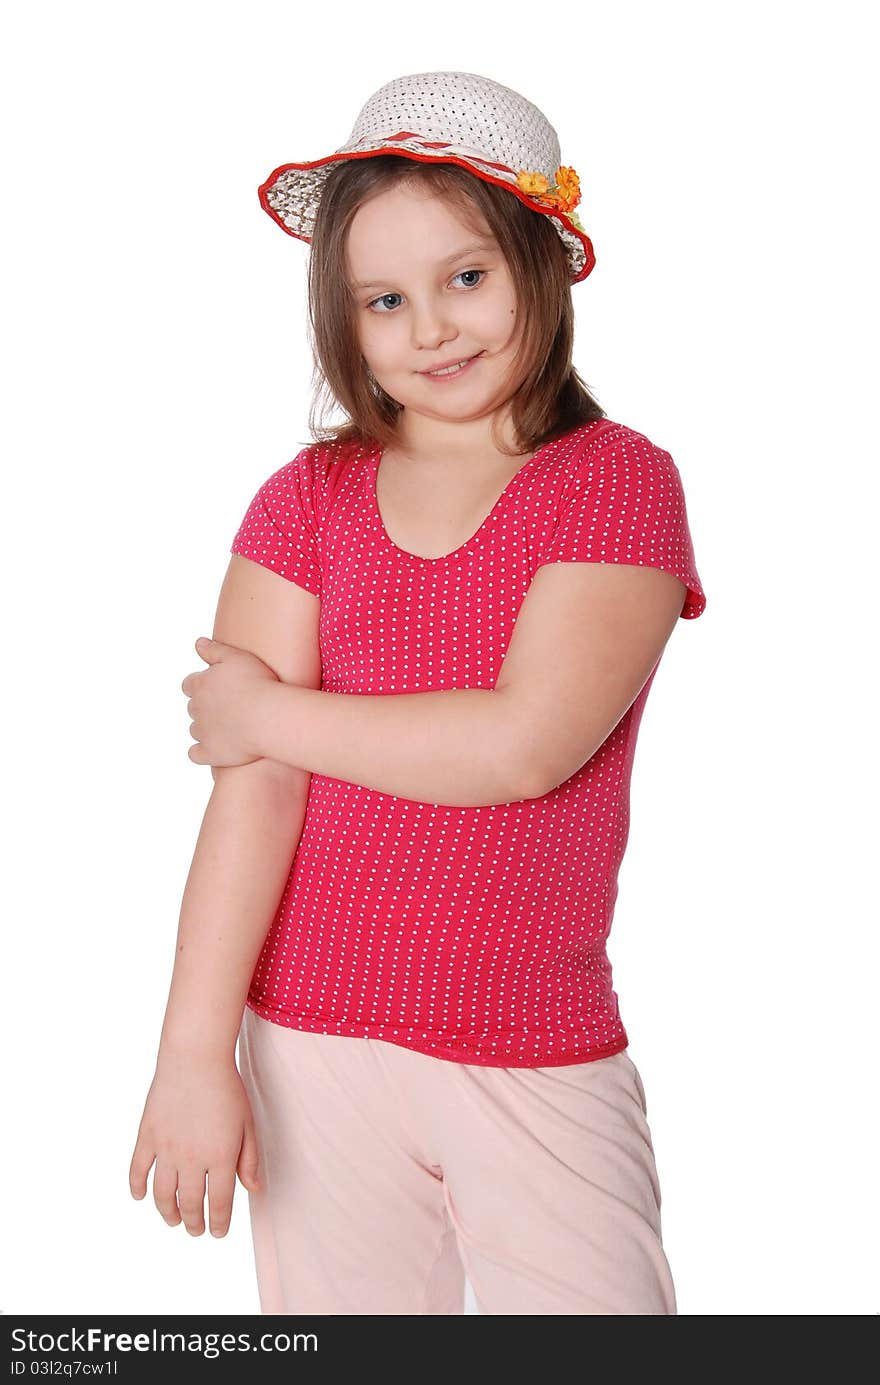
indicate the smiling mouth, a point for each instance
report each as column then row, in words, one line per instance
column 453, row 369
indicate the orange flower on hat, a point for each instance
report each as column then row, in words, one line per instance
column 535, row 184
column 564, row 196
column 568, row 188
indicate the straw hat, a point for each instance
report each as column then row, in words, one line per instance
column 455, row 117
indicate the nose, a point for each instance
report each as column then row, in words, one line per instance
column 432, row 325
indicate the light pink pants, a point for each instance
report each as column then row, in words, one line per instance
column 389, row 1174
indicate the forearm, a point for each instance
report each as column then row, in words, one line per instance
column 249, row 835
column 458, row 747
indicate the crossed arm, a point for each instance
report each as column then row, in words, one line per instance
column 586, row 639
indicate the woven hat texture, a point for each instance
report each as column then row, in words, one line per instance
column 450, row 116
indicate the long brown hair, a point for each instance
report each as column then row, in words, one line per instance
column 550, row 399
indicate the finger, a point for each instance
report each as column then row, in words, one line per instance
column 249, row 1159
column 141, row 1163
column 191, row 1197
column 221, row 1190
column 165, row 1191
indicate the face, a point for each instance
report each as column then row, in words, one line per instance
column 426, row 295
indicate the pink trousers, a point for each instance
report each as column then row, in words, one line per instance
column 388, row 1175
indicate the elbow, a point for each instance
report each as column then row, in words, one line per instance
column 531, row 779
column 534, row 785
column 542, row 777
column 524, row 757
column 546, row 758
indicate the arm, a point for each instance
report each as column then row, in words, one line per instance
column 249, row 834
column 459, row 747
column 247, row 841
column 586, row 638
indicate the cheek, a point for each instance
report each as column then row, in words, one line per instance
column 499, row 314
column 381, row 344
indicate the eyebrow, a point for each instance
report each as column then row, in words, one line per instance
column 478, row 246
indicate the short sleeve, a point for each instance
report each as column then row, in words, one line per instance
column 280, row 528
column 626, row 504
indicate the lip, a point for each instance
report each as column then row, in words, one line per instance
column 455, row 360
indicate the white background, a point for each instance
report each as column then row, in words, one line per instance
column 157, row 371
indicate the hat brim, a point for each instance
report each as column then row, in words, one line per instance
column 301, row 225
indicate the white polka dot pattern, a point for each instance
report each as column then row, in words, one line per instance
column 477, row 935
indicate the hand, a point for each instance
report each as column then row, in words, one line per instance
column 221, row 704
column 197, row 1121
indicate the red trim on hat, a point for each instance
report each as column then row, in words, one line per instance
column 443, row 144
column 590, row 258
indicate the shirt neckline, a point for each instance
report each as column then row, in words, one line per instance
column 475, row 538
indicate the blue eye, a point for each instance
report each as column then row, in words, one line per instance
column 385, row 296
column 383, row 299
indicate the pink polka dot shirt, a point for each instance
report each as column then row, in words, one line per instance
column 474, row 934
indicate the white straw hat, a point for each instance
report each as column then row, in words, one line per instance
column 455, row 117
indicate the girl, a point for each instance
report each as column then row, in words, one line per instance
column 433, row 647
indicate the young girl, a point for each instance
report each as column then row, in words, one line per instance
column 433, row 647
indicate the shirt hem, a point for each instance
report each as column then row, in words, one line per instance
column 445, row 1052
